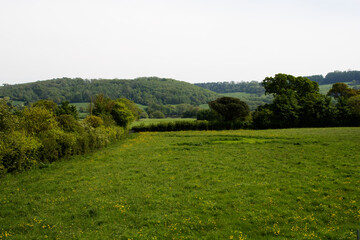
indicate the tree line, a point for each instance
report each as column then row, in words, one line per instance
column 297, row 103
column 337, row 76
column 145, row 91
column 253, row 87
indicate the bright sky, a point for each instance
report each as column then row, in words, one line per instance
column 188, row 40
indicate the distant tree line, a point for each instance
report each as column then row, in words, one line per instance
column 297, row 103
column 337, row 76
column 144, row 91
column 230, row 87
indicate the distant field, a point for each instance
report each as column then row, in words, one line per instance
column 268, row 184
column 148, row 121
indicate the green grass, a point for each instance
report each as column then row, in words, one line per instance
column 325, row 88
column 149, row 121
column 269, row 184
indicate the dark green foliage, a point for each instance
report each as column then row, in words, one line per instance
column 230, row 87
column 191, row 112
column 68, row 123
column 336, row 76
column 297, row 103
column 206, row 114
column 354, row 105
column 141, row 90
column 68, row 109
column 283, row 84
column 192, row 125
column 180, row 110
column 230, row 109
column 346, row 113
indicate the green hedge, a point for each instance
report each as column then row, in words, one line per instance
column 36, row 136
column 201, row 125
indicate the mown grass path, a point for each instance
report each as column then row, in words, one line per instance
column 271, row 184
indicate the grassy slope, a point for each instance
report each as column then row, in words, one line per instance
column 283, row 184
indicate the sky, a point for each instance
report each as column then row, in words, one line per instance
column 188, row 40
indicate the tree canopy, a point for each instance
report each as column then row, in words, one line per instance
column 229, row 108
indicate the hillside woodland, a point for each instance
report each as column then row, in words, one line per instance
column 143, row 91
column 352, row 77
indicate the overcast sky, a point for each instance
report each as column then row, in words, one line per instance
column 188, row 40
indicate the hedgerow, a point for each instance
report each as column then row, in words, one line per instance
column 42, row 134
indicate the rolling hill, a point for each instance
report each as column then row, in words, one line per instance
column 143, row 91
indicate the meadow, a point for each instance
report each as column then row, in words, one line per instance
column 244, row 184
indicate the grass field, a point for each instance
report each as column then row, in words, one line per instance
column 271, row 184
column 148, row 121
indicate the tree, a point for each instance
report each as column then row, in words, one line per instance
column 339, row 90
column 122, row 114
column 135, row 110
column 67, row 109
column 230, row 108
column 283, row 83
column 297, row 103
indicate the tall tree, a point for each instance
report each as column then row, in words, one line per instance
column 230, row 108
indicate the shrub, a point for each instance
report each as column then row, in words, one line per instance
column 38, row 119
column 122, row 114
column 7, row 119
column 93, row 121
column 18, row 151
column 68, row 123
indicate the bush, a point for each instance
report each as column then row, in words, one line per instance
column 93, row 121
column 37, row 119
column 43, row 137
column 68, row 123
column 18, row 151
column 157, row 114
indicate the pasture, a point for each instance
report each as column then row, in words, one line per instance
column 244, row 184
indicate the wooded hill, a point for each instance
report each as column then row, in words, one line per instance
column 144, row 91
column 337, row 76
